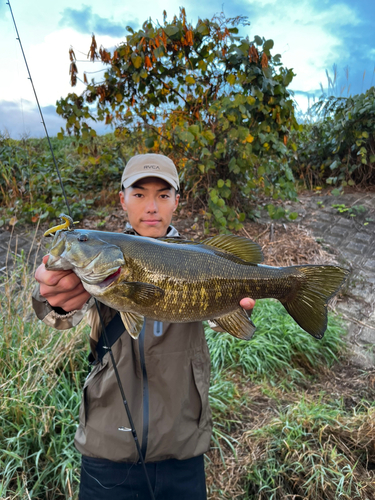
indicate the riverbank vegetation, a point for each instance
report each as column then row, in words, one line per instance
column 290, row 418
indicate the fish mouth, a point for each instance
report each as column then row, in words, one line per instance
column 110, row 279
column 57, row 263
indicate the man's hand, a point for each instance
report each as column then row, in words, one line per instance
column 61, row 288
column 247, row 303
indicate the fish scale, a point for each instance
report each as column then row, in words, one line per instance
column 180, row 281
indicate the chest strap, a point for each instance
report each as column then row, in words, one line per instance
column 114, row 330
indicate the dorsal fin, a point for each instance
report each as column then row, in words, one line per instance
column 241, row 247
column 237, row 246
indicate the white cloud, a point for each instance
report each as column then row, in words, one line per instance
column 304, row 34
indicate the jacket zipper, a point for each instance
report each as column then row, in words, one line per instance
column 145, row 393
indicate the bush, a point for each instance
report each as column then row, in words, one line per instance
column 215, row 102
column 339, row 148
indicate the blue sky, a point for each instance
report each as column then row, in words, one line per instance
column 310, row 35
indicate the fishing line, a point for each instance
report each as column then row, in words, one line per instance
column 40, row 109
column 104, row 333
column 108, row 348
column 106, row 487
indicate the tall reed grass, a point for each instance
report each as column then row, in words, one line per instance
column 42, row 372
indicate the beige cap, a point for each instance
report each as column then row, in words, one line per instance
column 150, row 165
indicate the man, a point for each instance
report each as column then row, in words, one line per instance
column 165, row 372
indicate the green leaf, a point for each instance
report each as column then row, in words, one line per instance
column 202, row 65
column 194, row 129
column 137, row 61
column 231, row 79
column 334, row 165
column 186, row 136
column 268, row 44
column 171, row 30
column 209, row 135
column 189, row 80
column 203, row 29
column 293, row 215
column 220, row 183
column 258, row 40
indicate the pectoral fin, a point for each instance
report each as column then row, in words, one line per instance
column 140, row 293
column 133, row 323
column 237, row 324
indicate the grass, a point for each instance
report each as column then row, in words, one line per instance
column 41, row 378
column 312, row 450
column 273, row 437
column 279, row 344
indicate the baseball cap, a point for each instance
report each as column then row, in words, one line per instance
column 150, row 165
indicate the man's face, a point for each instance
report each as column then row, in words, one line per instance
column 150, row 204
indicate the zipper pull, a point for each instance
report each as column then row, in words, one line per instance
column 158, row 328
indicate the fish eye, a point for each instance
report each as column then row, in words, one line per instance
column 82, row 237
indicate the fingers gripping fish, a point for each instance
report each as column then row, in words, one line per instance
column 179, row 281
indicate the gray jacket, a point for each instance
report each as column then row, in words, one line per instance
column 165, row 374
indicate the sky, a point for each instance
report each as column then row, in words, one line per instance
column 312, row 36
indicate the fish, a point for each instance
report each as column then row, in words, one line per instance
column 177, row 281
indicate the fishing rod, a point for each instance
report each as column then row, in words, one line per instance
column 40, row 109
column 104, row 332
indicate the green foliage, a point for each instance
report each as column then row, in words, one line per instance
column 214, row 102
column 351, row 211
column 29, row 185
column 278, row 345
column 41, row 378
column 298, row 451
column 339, row 148
column 303, row 452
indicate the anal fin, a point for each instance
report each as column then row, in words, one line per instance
column 237, row 324
column 133, row 323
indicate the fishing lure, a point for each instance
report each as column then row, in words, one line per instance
column 66, row 225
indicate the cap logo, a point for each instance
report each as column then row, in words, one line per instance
column 151, row 167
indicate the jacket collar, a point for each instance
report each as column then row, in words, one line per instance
column 171, row 233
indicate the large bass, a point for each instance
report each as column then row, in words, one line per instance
column 180, row 281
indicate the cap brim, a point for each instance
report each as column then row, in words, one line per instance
column 134, row 178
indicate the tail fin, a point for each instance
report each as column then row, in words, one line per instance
column 308, row 305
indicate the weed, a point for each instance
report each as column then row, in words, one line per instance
column 352, row 211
